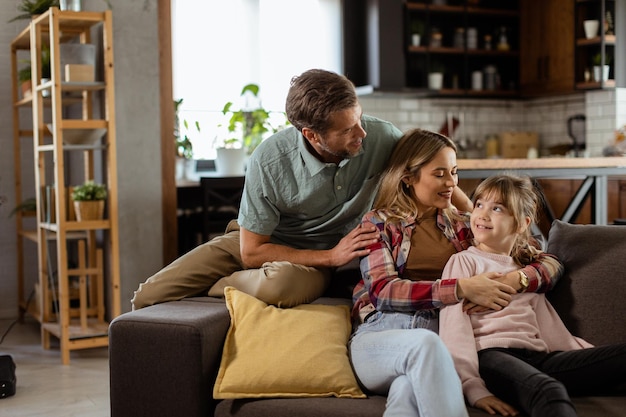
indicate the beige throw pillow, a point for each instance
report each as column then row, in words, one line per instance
column 275, row 352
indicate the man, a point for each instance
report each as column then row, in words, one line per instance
column 306, row 190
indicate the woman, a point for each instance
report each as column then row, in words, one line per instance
column 401, row 291
column 522, row 357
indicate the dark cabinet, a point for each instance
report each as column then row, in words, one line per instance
column 547, row 47
column 595, row 44
column 471, row 46
column 379, row 48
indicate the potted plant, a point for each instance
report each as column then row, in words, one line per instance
column 26, row 84
column 601, row 71
column 89, row 200
column 24, row 75
column 30, row 8
column 251, row 123
column 247, row 127
column 417, row 31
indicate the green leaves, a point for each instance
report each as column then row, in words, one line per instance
column 89, row 191
column 34, row 7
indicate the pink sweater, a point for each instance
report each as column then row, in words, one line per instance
column 528, row 322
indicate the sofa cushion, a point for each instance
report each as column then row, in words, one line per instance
column 594, row 257
column 275, row 352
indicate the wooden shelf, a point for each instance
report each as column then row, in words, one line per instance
column 70, row 304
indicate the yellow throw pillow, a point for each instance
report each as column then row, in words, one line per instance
column 295, row 352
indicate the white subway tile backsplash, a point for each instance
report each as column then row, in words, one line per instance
column 605, row 111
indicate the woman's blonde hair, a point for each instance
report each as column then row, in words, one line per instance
column 520, row 196
column 415, row 149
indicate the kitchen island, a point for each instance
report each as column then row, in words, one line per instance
column 593, row 171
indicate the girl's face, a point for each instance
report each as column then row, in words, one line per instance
column 436, row 181
column 493, row 225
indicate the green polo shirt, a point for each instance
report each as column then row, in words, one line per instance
column 304, row 203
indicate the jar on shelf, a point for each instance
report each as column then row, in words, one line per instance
column 472, row 38
column 487, row 42
column 503, row 42
column 491, row 77
column 459, row 38
column 435, row 38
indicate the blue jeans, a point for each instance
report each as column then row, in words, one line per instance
column 394, row 354
column 540, row 383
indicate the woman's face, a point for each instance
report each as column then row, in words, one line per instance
column 436, row 181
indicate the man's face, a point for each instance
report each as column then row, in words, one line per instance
column 343, row 140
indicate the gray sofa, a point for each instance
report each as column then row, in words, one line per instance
column 164, row 358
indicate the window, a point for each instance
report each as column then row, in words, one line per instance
column 220, row 46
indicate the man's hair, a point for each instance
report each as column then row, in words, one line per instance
column 315, row 95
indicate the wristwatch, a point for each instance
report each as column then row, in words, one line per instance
column 523, row 281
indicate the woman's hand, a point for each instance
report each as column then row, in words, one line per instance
column 485, row 290
column 494, row 405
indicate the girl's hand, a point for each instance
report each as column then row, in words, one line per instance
column 494, row 405
column 484, row 290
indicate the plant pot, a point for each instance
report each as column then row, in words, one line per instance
column 435, row 80
column 89, row 210
column 601, row 73
column 26, row 87
column 416, row 39
column 73, row 5
column 230, row 162
column 591, row 28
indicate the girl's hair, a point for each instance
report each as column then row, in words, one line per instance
column 415, row 149
column 315, row 95
column 520, row 196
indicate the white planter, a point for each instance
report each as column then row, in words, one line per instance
column 601, row 73
column 435, row 80
column 416, row 39
column 591, row 28
column 230, row 162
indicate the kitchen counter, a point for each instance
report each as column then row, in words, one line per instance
column 594, row 171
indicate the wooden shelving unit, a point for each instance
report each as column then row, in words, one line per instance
column 71, row 285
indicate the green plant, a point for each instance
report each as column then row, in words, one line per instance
column 24, row 74
column 417, row 26
column 30, row 204
column 89, row 191
column 596, row 60
column 31, row 8
column 251, row 123
column 184, row 147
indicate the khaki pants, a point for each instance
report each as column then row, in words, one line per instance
column 217, row 264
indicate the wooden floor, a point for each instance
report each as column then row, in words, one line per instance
column 47, row 388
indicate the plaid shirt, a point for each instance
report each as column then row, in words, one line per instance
column 382, row 288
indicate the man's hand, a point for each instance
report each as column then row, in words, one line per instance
column 494, row 405
column 485, row 290
column 354, row 244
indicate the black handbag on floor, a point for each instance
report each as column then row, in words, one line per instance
column 7, row 376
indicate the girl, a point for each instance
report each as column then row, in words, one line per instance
column 521, row 357
column 401, row 288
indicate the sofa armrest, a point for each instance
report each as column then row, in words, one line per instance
column 163, row 359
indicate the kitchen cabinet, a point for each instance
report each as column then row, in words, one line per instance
column 547, row 47
column 69, row 300
column 473, row 44
column 595, row 44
